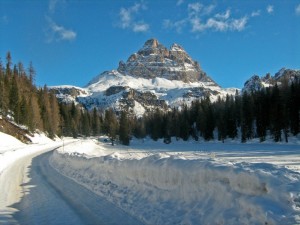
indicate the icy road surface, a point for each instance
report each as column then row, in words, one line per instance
column 51, row 198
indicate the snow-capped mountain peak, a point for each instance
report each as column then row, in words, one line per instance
column 153, row 77
column 155, row 60
column 256, row 83
column 176, row 48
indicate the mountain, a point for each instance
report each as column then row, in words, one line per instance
column 153, row 77
column 154, row 60
column 283, row 76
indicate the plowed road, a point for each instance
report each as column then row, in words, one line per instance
column 47, row 197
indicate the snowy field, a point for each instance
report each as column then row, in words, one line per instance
column 191, row 183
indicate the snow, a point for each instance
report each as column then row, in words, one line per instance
column 67, row 97
column 169, row 90
column 191, row 182
column 83, row 90
column 138, row 109
column 9, row 143
column 15, row 159
column 176, row 48
column 32, row 192
column 179, row 183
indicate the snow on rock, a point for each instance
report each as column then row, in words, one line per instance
column 69, row 93
column 164, row 188
column 256, row 83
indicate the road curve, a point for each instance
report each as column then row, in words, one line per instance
column 53, row 199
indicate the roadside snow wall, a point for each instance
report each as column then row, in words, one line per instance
column 161, row 189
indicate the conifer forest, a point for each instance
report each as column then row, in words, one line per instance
column 271, row 112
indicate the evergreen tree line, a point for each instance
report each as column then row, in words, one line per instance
column 39, row 109
column 78, row 122
column 272, row 111
column 20, row 99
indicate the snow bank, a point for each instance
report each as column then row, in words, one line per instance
column 162, row 188
column 11, row 149
column 8, row 142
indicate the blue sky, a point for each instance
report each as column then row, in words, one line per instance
column 70, row 42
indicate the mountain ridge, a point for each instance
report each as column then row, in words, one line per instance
column 155, row 77
column 283, row 77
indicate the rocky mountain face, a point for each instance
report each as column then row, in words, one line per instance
column 153, row 77
column 69, row 94
column 283, row 76
column 155, row 60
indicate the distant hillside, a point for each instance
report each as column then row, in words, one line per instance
column 282, row 77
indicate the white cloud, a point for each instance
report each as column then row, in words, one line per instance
column 53, row 5
column 59, row 33
column 297, row 10
column 208, row 9
column 177, row 25
column 255, row 13
column 140, row 27
column 179, row 2
column 270, row 9
column 195, row 7
column 219, row 25
column 197, row 26
column 223, row 16
column 199, row 9
column 125, row 16
column 239, row 24
column 128, row 20
column 200, row 19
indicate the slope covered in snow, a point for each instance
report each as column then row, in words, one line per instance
column 190, row 184
column 69, row 93
column 111, row 88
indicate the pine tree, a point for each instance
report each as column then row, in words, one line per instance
column 184, row 125
column 209, row 122
column 8, row 71
column 261, row 114
column 124, row 131
column 95, row 122
column 276, row 114
column 44, row 101
column 2, row 74
column 14, row 103
column 85, row 119
column 24, row 112
column 156, row 125
column 221, row 119
column 294, row 106
column 35, row 117
column 139, row 130
column 54, row 114
column 32, row 74
column 247, row 117
column 111, row 125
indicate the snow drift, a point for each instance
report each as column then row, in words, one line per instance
column 162, row 188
